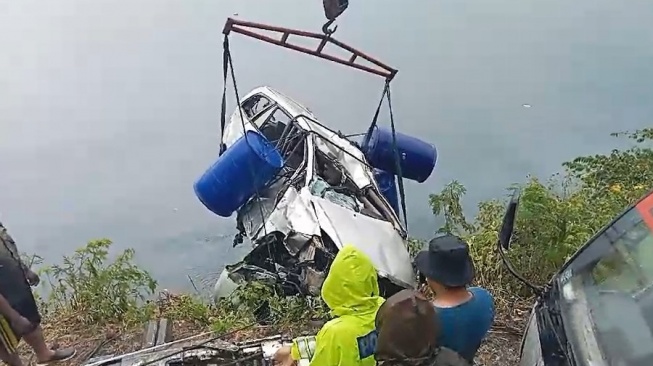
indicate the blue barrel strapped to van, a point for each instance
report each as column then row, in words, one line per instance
column 244, row 169
column 417, row 158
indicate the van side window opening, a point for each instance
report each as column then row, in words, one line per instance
column 256, row 105
column 272, row 128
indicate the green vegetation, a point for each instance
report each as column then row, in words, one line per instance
column 98, row 291
column 555, row 217
column 89, row 292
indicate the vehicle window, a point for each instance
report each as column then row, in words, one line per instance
column 256, row 105
column 275, row 124
column 611, row 282
column 621, row 270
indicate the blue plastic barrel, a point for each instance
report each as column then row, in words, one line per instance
column 242, row 170
column 388, row 186
column 417, row 158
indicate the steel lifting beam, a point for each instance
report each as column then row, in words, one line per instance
column 249, row 29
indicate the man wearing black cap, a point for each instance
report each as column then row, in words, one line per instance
column 465, row 313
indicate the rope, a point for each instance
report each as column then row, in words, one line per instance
column 228, row 63
column 386, row 95
column 402, row 193
column 378, row 108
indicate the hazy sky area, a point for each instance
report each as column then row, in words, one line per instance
column 109, row 110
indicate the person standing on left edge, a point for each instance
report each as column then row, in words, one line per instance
column 18, row 307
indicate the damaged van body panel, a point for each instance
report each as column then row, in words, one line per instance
column 376, row 238
column 325, row 197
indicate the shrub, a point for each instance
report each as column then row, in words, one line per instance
column 98, row 291
column 555, row 217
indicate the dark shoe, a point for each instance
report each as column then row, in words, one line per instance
column 59, row 355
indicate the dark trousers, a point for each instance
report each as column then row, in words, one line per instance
column 14, row 287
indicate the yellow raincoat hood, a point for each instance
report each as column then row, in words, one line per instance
column 351, row 291
column 351, row 286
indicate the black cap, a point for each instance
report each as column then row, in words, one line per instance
column 447, row 261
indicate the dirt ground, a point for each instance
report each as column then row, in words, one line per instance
column 501, row 348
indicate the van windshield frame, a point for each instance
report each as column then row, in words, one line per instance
column 607, row 292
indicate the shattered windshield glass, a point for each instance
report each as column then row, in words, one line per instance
column 607, row 293
column 321, row 188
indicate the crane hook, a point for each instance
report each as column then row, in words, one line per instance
column 326, row 30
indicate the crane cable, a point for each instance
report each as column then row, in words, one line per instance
column 228, row 66
column 400, row 181
column 387, row 96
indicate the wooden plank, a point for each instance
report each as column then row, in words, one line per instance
column 150, row 335
column 164, row 333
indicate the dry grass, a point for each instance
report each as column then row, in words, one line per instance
column 500, row 348
column 502, row 345
column 102, row 334
column 69, row 330
column 64, row 331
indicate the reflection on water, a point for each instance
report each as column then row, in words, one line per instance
column 198, row 263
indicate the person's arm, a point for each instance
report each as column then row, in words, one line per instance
column 486, row 307
column 6, row 310
column 328, row 348
column 303, row 348
column 19, row 324
column 321, row 350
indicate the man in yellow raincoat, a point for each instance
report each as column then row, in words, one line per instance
column 351, row 291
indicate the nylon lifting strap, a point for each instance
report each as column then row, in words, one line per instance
column 378, row 108
column 400, row 181
column 227, row 65
column 223, row 112
column 386, row 95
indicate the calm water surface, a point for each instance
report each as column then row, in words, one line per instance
column 109, row 110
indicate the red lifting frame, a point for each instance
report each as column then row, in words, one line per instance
column 239, row 26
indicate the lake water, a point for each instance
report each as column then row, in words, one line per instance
column 109, row 110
